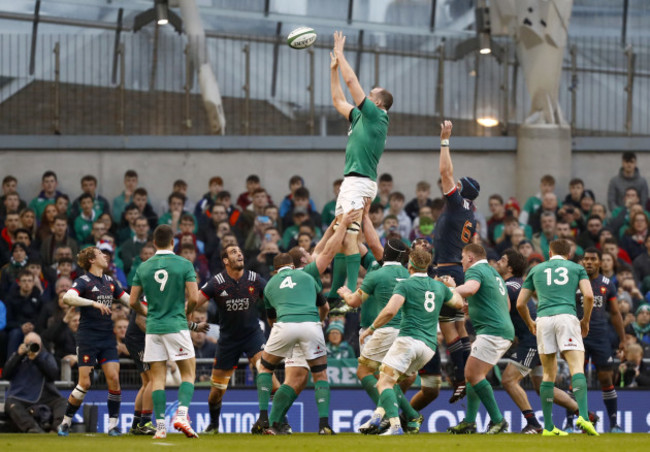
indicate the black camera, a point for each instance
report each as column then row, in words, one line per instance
column 569, row 209
column 33, row 347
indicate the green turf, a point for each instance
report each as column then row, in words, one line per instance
column 311, row 442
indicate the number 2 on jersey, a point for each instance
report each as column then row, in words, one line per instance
column 161, row 278
column 287, row 282
column 429, row 301
column 563, row 272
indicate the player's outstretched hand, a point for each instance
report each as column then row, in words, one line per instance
column 445, row 130
column 334, row 62
column 203, row 327
column 584, row 327
column 343, row 291
column 446, row 280
column 105, row 310
column 339, row 43
column 348, row 218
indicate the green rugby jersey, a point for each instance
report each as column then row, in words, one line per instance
column 292, row 293
column 366, row 139
column 381, row 283
column 556, row 282
column 424, row 298
column 312, row 270
column 163, row 278
column 369, row 309
column 488, row 307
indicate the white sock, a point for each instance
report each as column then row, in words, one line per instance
column 112, row 423
column 394, row 422
column 182, row 412
column 160, row 425
column 67, row 420
column 380, row 411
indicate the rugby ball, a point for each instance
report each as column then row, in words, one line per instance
column 301, row 38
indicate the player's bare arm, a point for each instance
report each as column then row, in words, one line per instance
column 72, row 298
column 201, row 300
column 468, row 289
column 134, row 300
column 323, row 311
column 338, row 98
column 456, row 301
column 390, row 310
column 192, row 291
column 334, row 243
column 353, row 299
column 372, row 239
column 617, row 321
column 349, row 77
column 446, row 167
column 524, row 312
column 125, row 299
column 588, row 305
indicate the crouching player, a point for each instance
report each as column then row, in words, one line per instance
column 420, row 299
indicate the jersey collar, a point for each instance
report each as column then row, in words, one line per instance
column 558, row 257
column 391, row 263
column 420, row 275
column 164, row 252
column 284, row 268
column 482, row 261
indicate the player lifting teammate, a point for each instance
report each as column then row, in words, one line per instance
column 454, row 229
column 94, row 293
column 366, row 141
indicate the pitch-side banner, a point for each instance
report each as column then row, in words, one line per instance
column 351, row 407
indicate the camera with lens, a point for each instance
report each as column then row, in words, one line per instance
column 33, row 347
column 569, row 209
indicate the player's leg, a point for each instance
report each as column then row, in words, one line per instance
column 610, row 398
column 78, row 393
column 318, row 368
column 187, row 368
column 576, row 359
column 147, row 402
column 266, row 365
column 366, row 375
column 218, row 385
column 510, row 379
column 137, row 409
column 111, row 371
column 430, row 382
column 158, row 375
column 479, row 389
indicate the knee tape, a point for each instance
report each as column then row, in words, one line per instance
column 78, row 393
column 431, row 381
column 389, row 373
column 336, row 226
column 371, row 364
column 267, row 364
column 354, row 228
column 219, row 385
column 318, row 368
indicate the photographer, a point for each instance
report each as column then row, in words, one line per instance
column 263, row 263
column 32, row 371
column 634, row 373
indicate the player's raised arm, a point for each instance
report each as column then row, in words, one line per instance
column 446, row 167
column 338, row 98
column 349, row 77
column 72, row 298
column 333, row 244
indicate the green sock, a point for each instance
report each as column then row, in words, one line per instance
column 404, row 404
column 322, row 395
column 473, row 403
column 369, row 383
column 484, row 391
column 159, row 403
column 292, row 398
column 185, row 393
column 546, row 394
column 264, row 385
column 338, row 275
column 352, row 264
column 579, row 383
column 388, row 401
column 281, row 402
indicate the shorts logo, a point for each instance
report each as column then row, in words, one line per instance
column 251, row 290
column 180, row 349
column 86, row 358
column 571, row 344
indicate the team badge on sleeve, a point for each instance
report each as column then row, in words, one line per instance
column 251, row 289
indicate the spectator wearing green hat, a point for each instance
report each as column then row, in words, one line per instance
column 642, row 324
column 337, row 348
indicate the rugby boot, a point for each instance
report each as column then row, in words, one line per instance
column 593, row 418
column 326, row 430
column 616, row 429
column 147, row 429
column 532, row 430
column 413, row 425
column 183, row 425
column 460, row 389
column 497, row 427
column 464, row 428
column 114, row 432
column 586, row 427
column 258, row 427
column 160, row 434
column 372, row 426
column 555, row 432
column 286, row 428
column 63, row 430
column 393, row 430
column 274, row 430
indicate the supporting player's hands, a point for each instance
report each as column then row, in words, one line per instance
column 343, row 291
column 584, row 327
column 348, row 218
column 445, row 130
column 203, row 327
column 364, row 335
column 446, row 280
column 334, row 62
column 339, row 43
column 465, row 308
column 105, row 310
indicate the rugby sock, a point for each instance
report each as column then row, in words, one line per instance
column 484, row 391
column 281, row 401
column 467, row 349
column 145, row 417
column 114, row 401
column 388, row 401
column 369, row 383
column 473, row 403
column 611, row 403
column 159, row 404
column 70, row 411
column 338, row 276
column 185, row 394
column 137, row 417
column 531, row 420
column 456, row 354
column 579, row 383
column 404, row 404
column 322, row 395
column 546, row 395
column 215, row 413
column 292, row 398
column 264, row 385
column 352, row 264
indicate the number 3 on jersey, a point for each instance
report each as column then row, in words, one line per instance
column 287, row 282
column 429, row 301
column 161, row 278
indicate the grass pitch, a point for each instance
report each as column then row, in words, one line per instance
column 311, row 442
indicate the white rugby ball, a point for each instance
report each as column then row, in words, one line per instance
column 301, row 38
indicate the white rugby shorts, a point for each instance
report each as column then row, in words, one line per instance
column 171, row 346
column 308, row 335
column 378, row 343
column 558, row 333
column 489, row 349
column 296, row 358
column 353, row 191
column 408, row 355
